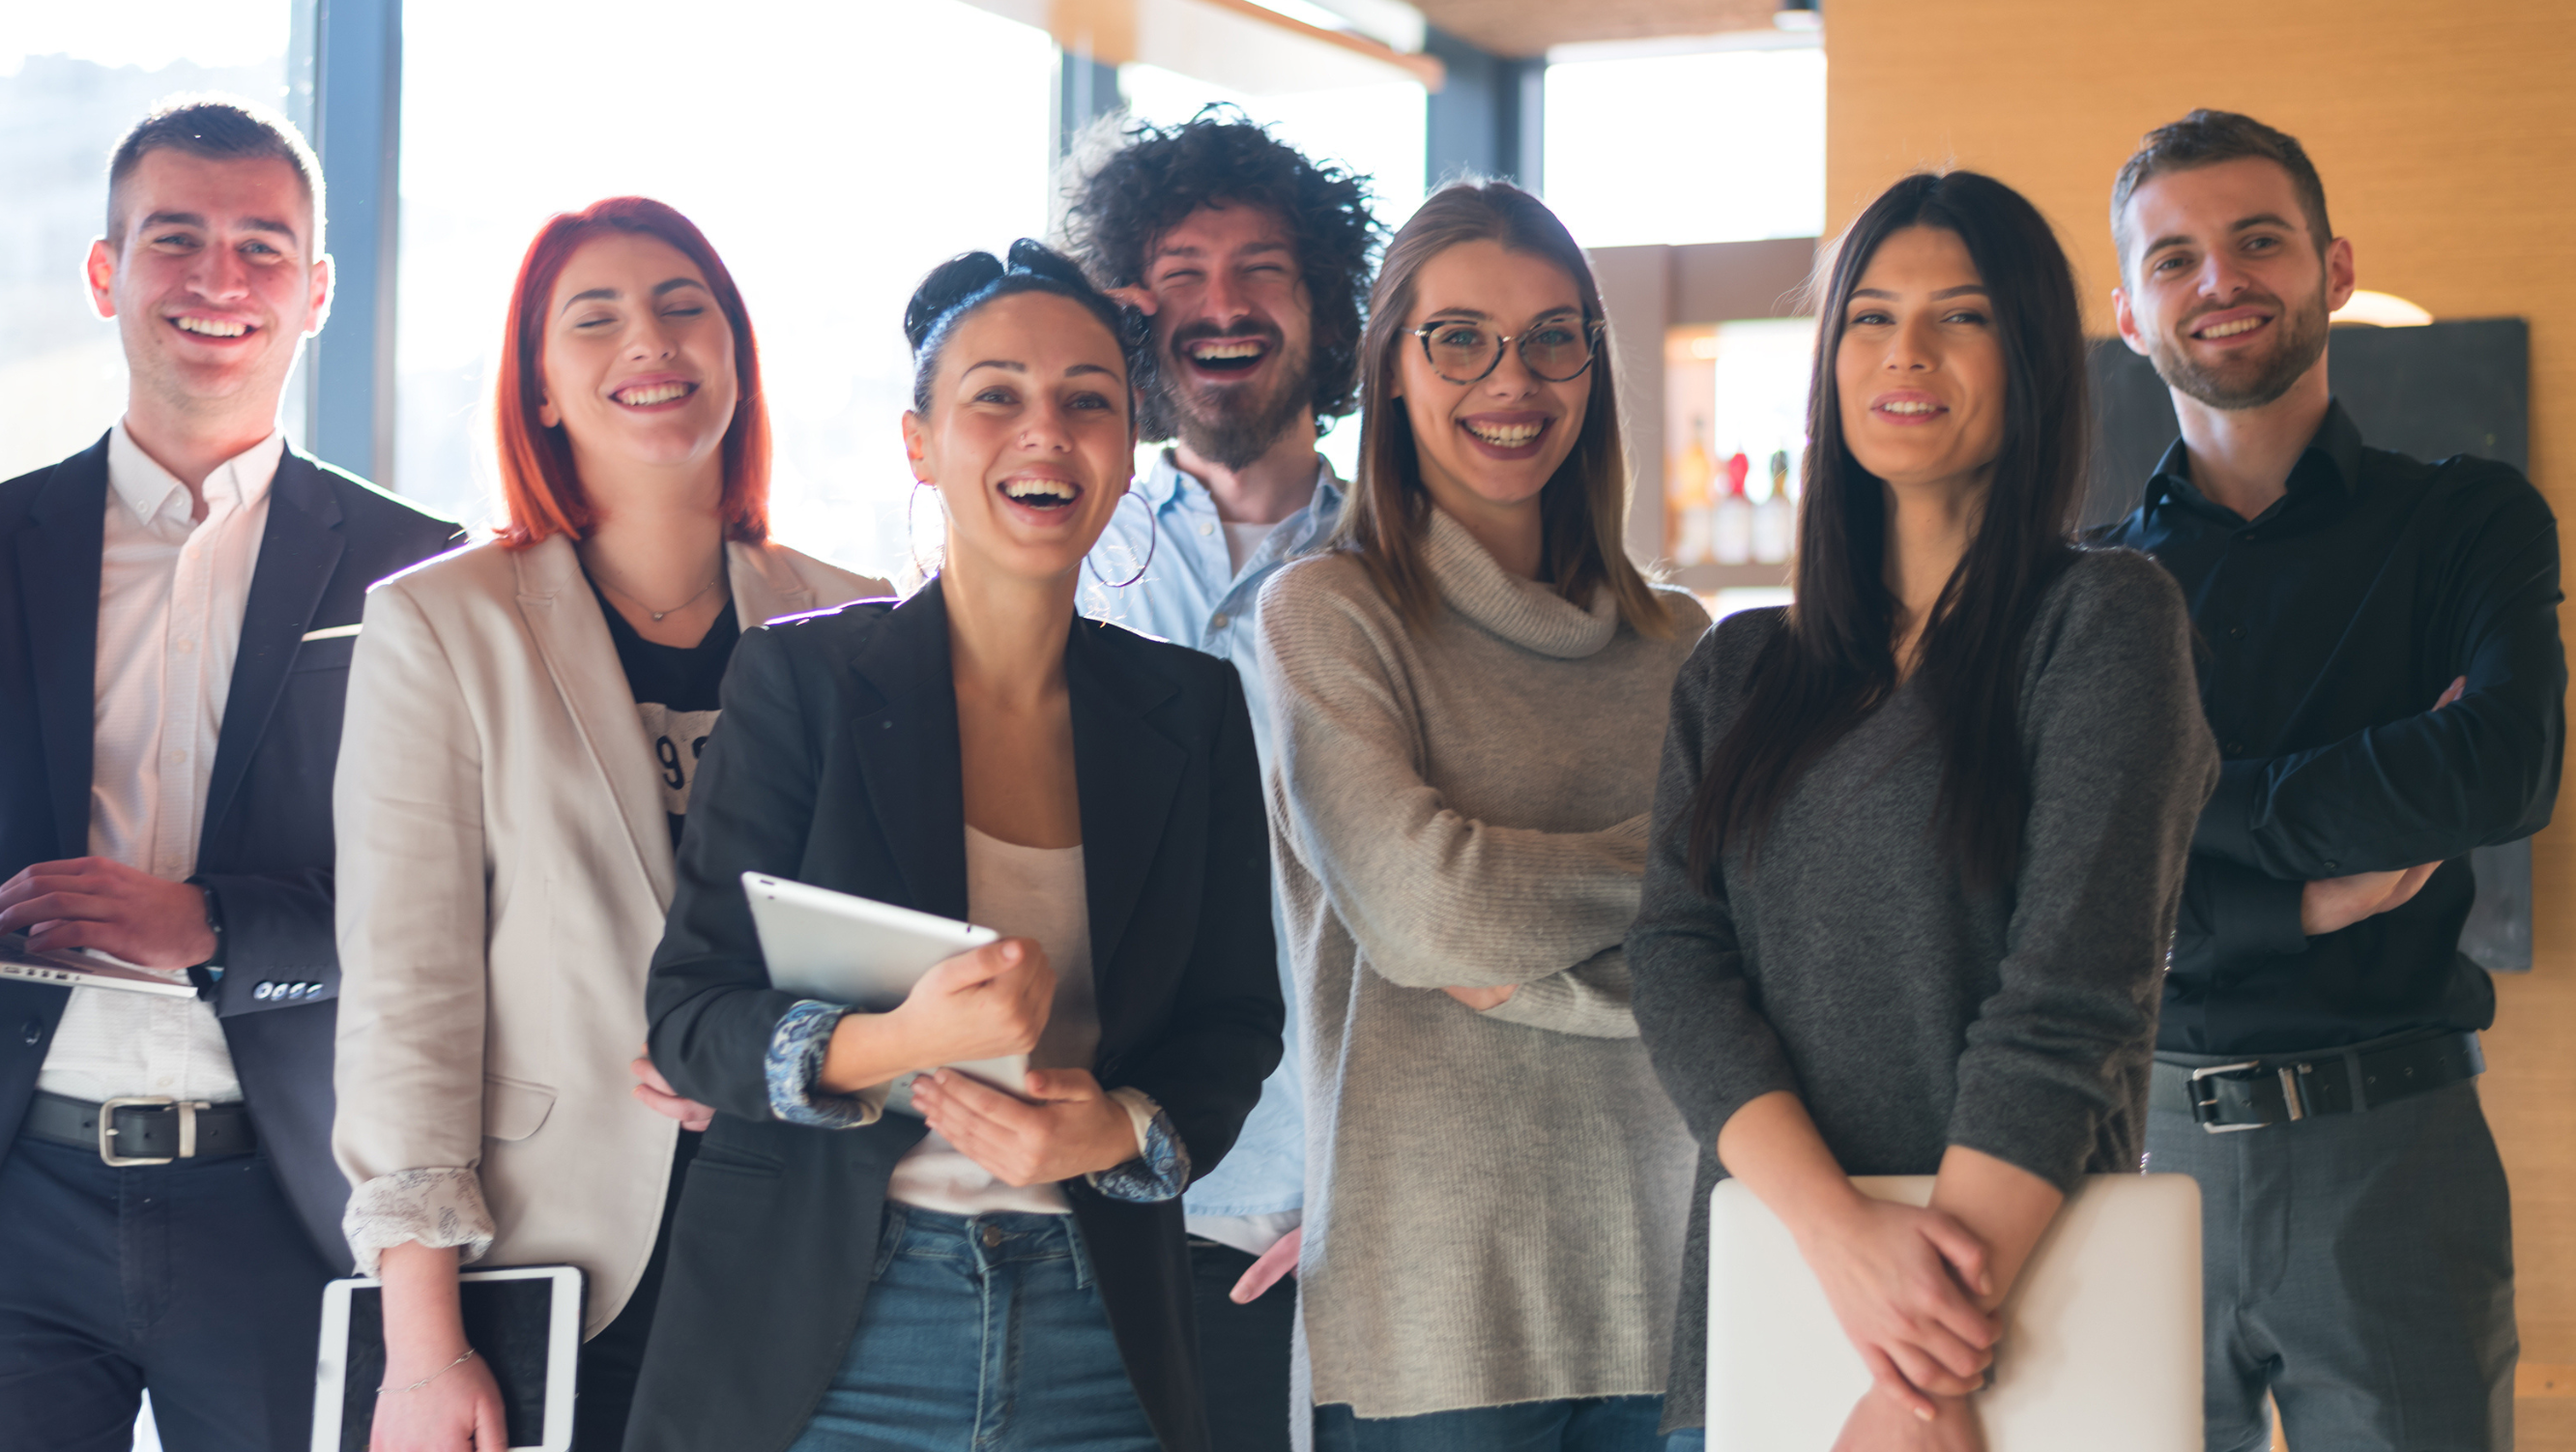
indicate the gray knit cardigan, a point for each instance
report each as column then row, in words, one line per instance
column 1846, row 962
column 1495, row 1200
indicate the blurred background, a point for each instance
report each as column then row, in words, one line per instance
column 1699, row 148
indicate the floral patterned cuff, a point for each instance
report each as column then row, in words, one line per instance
column 1161, row 1169
column 795, row 1064
column 434, row 1207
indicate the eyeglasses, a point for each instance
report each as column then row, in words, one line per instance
column 1462, row 351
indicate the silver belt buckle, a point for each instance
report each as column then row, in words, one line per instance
column 107, row 1128
column 2203, row 1073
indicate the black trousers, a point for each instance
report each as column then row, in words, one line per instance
column 2359, row 1268
column 1243, row 1351
column 604, row 1391
column 192, row 1280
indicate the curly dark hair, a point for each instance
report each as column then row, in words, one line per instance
column 1154, row 176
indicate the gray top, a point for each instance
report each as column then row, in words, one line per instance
column 1848, row 964
column 1495, row 1201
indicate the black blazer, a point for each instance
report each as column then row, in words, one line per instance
column 264, row 850
column 836, row 763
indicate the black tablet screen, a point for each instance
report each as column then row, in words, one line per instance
column 507, row 1321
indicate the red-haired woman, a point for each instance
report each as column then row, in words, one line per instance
column 523, row 724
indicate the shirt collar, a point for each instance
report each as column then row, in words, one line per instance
column 1163, row 483
column 2332, row 457
column 236, row 484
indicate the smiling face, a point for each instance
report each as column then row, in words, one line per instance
column 1029, row 438
column 638, row 365
column 1920, row 367
column 2228, row 293
column 1493, row 444
column 212, row 283
column 1236, row 329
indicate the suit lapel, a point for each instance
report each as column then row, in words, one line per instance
column 908, row 751
column 572, row 638
column 764, row 585
column 298, row 550
column 58, row 575
column 1126, row 772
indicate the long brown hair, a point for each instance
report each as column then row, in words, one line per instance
column 1583, row 509
column 1835, row 663
column 538, row 480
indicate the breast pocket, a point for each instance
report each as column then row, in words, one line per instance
column 324, row 655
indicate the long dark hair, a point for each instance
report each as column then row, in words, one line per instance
column 1583, row 509
column 1835, row 663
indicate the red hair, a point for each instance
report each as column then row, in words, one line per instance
column 544, row 493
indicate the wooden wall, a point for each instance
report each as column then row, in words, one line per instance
column 2447, row 139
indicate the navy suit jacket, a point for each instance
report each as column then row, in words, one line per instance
column 264, row 850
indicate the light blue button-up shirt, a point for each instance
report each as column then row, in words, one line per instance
column 1192, row 595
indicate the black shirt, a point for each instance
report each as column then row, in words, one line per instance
column 675, row 690
column 2328, row 627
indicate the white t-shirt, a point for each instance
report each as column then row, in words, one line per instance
column 1023, row 892
column 1242, row 539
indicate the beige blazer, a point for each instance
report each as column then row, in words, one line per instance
column 504, row 864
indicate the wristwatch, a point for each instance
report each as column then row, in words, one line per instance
column 212, row 970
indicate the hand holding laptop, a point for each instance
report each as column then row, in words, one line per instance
column 100, row 903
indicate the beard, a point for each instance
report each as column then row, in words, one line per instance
column 2255, row 379
column 1229, row 424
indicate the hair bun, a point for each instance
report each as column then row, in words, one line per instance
column 1030, row 255
column 949, row 284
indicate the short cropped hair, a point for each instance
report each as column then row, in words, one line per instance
column 1153, row 177
column 538, row 481
column 219, row 128
column 2206, row 138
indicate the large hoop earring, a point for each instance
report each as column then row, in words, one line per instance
column 911, row 544
column 1153, row 538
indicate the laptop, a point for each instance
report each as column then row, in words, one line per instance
column 80, row 970
column 2102, row 1334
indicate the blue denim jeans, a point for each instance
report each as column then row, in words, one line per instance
column 980, row 1334
column 1590, row 1424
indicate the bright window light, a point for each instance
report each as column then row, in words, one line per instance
column 1724, row 146
column 833, row 154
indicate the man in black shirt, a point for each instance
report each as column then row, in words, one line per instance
column 2381, row 666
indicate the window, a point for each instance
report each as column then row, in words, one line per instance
column 73, row 78
column 1718, row 146
column 833, row 154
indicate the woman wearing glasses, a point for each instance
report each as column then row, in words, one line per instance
column 1471, row 693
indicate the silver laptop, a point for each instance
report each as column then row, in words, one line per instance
column 80, row 970
column 2102, row 1336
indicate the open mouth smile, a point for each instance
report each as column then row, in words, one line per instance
column 221, row 329
column 648, row 395
column 1042, row 494
column 1506, row 436
column 2234, row 327
column 1223, row 356
column 1907, row 408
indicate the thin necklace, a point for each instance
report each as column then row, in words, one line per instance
column 658, row 614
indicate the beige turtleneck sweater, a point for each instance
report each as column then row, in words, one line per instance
column 1495, row 1201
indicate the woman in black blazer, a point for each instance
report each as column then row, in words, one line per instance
column 1006, row 1270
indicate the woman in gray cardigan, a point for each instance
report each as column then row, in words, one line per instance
column 1470, row 694
column 1919, row 838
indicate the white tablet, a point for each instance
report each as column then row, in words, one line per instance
column 524, row 1324
column 2102, row 1335
column 842, row 948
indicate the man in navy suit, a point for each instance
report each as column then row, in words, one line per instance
column 177, row 607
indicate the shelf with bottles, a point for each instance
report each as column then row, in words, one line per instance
column 1735, row 423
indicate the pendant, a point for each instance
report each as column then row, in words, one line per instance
column 658, row 614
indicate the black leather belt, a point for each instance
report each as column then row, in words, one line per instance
column 143, row 1129
column 2259, row 1092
